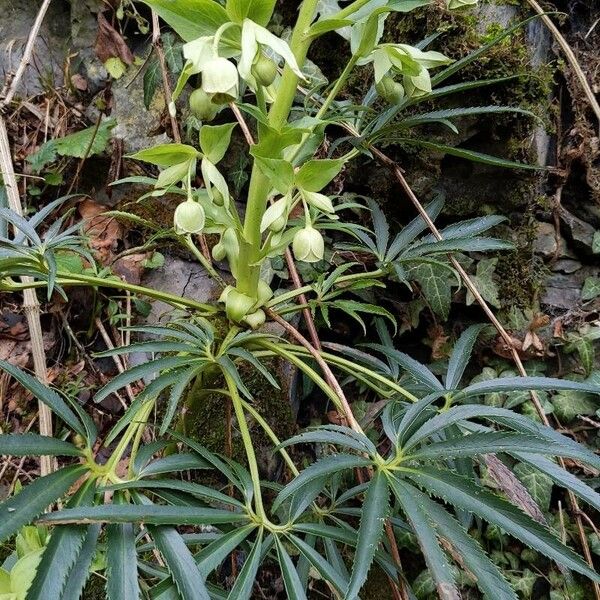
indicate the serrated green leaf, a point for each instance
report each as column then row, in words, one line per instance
column 46, row 395
column 291, row 580
column 321, row 468
column 373, row 514
column 80, row 572
column 242, row 589
column 34, row 498
column 465, row 494
column 423, row 527
column 152, row 515
column 121, row 560
column 461, row 354
column 180, row 562
column 32, row 444
column 62, row 552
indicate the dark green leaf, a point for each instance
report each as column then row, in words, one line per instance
column 373, row 515
column 34, row 498
column 32, row 444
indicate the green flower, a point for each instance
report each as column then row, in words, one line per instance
column 202, row 106
column 220, row 78
column 308, row 245
column 189, row 217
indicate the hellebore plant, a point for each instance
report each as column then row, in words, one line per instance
column 416, row 463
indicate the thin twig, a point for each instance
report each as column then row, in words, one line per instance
column 570, row 56
column 27, row 53
column 157, row 43
column 116, row 360
column 31, row 305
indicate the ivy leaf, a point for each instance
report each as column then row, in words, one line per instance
column 152, row 81
column 568, row 405
column 436, row 286
column 484, row 282
column 538, row 484
column 591, row 288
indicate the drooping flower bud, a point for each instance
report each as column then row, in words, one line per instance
column 419, row 85
column 217, row 197
column 237, row 305
column 189, row 217
column 278, row 225
column 391, row 91
column 264, row 70
column 256, row 319
column 220, row 78
column 202, row 106
column 219, row 252
column 308, row 245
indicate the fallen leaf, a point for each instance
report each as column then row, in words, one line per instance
column 110, row 43
column 104, row 233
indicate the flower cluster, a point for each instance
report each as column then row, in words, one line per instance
column 209, row 57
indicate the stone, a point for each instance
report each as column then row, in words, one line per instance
column 563, row 290
column 46, row 68
column 546, row 243
column 180, row 278
column 579, row 232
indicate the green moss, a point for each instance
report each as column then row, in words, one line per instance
column 206, row 414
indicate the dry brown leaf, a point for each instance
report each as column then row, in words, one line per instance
column 104, row 232
column 110, row 43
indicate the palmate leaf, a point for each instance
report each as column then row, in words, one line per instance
column 488, row 577
column 32, row 444
column 465, row 494
column 320, row 469
column 374, row 511
column 62, row 551
column 422, row 525
column 121, row 560
column 31, row 501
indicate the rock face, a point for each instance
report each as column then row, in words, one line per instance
column 46, row 69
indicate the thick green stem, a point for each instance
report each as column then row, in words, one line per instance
column 249, row 257
column 248, row 445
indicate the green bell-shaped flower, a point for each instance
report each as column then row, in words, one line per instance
column 220, row 79
column 237, row 305
column 308, row 245
column 189, row 217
